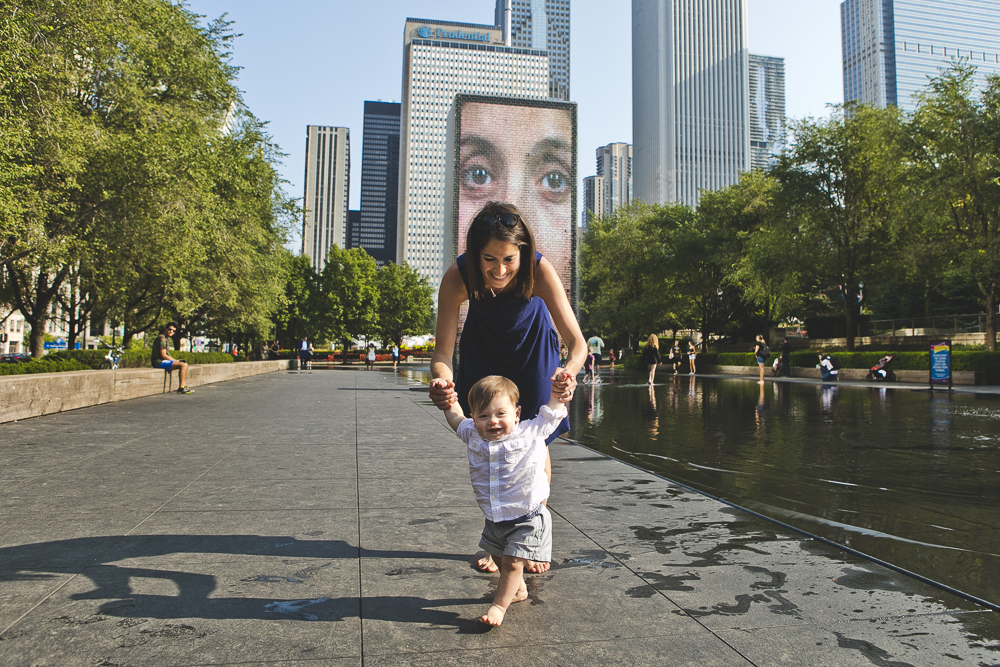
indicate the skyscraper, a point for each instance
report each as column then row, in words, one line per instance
column 376, row 228
column 593, row 201
column 767, row 109
column 611, row 188
column 892, row 47
column 690, row 113
column 328, row 173
column 441, row 59
column 541, row 25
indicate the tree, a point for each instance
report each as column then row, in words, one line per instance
column 623, row 266
column 841, row 181
column 404, row 303
column 119, row 97
column 956, row 148
column 349, row 295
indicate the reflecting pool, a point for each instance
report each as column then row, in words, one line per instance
column 905, row 476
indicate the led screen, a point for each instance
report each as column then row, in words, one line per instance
column 522, row 152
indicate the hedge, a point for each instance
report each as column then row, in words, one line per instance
column 44, row 365
column 92, row 359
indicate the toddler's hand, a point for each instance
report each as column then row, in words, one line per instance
column 442, row 393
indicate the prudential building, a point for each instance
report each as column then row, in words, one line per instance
column 440, row 60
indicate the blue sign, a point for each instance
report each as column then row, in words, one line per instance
column 440, row 33
column 941, row 363
column 59, row 344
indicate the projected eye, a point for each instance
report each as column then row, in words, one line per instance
column 478, row 177
column 554, row 185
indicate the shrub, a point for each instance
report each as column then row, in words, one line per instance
column 44, row 365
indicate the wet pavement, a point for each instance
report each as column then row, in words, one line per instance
column 326, row 518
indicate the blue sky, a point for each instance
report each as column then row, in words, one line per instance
column 307, row 62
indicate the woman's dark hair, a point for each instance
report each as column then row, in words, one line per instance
column 500, row 222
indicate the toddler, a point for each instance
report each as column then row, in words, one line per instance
column 507, row 466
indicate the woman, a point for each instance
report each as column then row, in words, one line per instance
column 395, row 357
column 692, row 354
column 651, row 356
column 760, row 352
column 514, row 297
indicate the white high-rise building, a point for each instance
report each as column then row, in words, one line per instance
column 544, row 25
column 690, row 114
column 593, row 200
column 328, row 175
column 767, row 109
column 891, row 48
column 441, row 59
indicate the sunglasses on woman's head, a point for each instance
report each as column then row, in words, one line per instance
column 506, row 219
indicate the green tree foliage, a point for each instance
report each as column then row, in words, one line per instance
column 405, row 302
column 135, row 183
column 349, row 297
column 956, row 148
column 841, row 182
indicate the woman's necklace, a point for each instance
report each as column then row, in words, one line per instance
column 494, row 293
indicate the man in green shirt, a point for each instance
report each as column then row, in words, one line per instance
column 161, row 357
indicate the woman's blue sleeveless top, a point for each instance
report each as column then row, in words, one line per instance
column 508, row 336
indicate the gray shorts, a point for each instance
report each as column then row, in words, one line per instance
column 530, row 539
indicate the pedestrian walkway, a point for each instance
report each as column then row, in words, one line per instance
column 326, row 518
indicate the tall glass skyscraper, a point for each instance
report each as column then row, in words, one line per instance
column 891, row 48
column 690, row 113
column 541, row 25
column 376, row 228
column 767, row 109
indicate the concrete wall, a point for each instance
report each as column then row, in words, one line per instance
column 24, row 396
column 920, row 377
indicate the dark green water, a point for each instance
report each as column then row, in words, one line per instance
column 905, row 476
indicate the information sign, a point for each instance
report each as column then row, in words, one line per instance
column 941, row 363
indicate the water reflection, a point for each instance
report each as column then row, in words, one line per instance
column 878, row 469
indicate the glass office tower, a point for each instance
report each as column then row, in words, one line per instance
column 767, row 109
column 891, row 48
column 690, row 97
column 376, row 228
column 541, row 25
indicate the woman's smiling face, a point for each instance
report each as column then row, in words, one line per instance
column 522, row 155
column 499, row 262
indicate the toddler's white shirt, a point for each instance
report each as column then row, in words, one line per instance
column 508, row 475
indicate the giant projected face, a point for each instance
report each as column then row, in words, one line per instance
column 522, row 155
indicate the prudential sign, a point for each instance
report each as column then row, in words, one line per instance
column 426, row 32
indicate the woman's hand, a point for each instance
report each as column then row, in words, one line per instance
column 563, row 385
column 442, row 393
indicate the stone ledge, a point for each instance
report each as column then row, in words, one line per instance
column 24, row 396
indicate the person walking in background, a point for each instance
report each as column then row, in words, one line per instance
column 611, row 358
column 395, row 357
column 676, row 356
column 304, row 346
column 651, row 356
column 563, row 356
column 761, row 352
column 692, row 354
column 595, row 345
column 786, row 358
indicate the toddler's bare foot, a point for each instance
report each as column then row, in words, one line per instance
column 537, row 568
column 486, row 564
column 522, row 593
column 494, row 616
